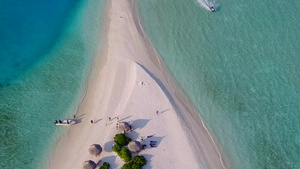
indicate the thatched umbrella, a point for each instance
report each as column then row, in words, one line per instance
column 89, row 164
column 123, row 126
column 134, row 146
column 95, row 149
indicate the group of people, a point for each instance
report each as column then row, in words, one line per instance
column 60, row 121
column 110, row 119
column 57, row 121
column 152, row 143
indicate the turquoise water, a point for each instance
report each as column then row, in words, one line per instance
column 240, row 67
column 46, row 49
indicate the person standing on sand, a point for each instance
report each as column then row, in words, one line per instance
column 157, row 112
column 92, row 121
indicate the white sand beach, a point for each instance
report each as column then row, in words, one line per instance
column 129, row 81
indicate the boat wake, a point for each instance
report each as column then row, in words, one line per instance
column 208, row 5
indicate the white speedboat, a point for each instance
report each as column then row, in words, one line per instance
column 212, row 8
column 64, row 122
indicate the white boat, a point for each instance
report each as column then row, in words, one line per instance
column 64, row 122
column 210, row 5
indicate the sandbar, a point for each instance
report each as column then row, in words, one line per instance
column 129, row 82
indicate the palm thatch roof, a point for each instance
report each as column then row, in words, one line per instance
column 89, row 164
column 95, row 149
column 134, row 146
column 124, row 127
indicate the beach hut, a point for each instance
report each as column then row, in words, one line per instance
column 89, row 164
column 95, row 149
column 124, row 127
column 134, row 146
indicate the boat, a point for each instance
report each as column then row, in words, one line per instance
column 212, row 8
column 66, row 122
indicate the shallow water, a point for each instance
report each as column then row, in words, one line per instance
column 46, row 53
column 240, row 68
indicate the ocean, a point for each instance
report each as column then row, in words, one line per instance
column 240, row 67
column 46, row 51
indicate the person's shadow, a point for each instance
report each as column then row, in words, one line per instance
column 98, row 120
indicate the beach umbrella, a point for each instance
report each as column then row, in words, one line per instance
column 134, row 146
column 89, row 164
column 95, row 149
column 123, row 126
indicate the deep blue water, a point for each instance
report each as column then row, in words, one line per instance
column 46, row 51
column 28, row 30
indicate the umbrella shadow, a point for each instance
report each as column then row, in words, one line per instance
column 133, row 135
column 155, row 139
column 148, row 158
column 108, row 146
column 139, row 124
column 109, row 159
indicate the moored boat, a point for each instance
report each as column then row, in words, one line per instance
column 66, row 122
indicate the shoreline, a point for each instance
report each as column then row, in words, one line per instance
column 126, row 80
column 192, row 113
